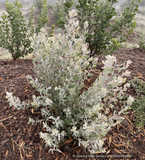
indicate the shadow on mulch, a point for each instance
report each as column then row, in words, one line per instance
column 20, row 141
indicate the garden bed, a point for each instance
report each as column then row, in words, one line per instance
column 18, row 140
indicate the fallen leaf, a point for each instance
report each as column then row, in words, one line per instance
column 117, row 151
column 29, row 155
column 134, row 140
column 108, row 151
column 1, row 124
column 7, row 152
column 88, row 80
column 110, row 140
column 32, row 110
column 31, row 143
column 68, row 141
column 26, row 90
column 116, row 145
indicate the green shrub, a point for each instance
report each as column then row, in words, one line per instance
column 138, row 105
column 105, row 35
column 62, row 65
column 15, row 32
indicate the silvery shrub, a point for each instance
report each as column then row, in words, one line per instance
column 61, row 64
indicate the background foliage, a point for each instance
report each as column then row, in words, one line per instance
column 15, row 31
column 105, row 34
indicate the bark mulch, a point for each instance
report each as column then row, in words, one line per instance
column 20, row 141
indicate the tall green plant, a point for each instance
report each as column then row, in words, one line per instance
column 15, row 32
column 102, row 37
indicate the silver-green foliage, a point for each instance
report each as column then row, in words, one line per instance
column 62, row 64
column 15, row 31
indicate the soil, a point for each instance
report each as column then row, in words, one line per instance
column 20, row 141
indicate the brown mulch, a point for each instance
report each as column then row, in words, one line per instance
column 20, row 141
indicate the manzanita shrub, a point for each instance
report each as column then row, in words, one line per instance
column 106, row 32
column 15, row 31
column 62, row 64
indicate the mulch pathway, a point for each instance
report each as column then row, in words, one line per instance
column 20, row 141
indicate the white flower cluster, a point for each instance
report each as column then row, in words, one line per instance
column 61, row 62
